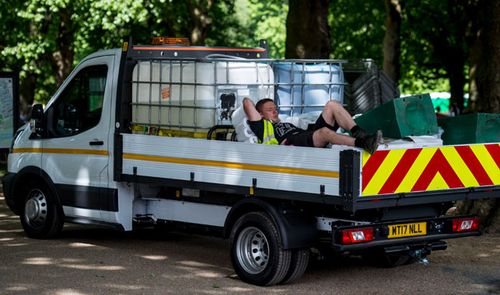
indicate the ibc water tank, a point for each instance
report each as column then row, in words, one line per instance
column 190, row 95
column 306, row 87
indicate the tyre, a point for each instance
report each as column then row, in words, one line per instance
column 257, row 254
column 298, row 265
column 41, row 217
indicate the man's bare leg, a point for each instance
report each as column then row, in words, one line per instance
column 324, row 136
column 335, row 112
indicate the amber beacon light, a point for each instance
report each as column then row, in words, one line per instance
column 169, row 41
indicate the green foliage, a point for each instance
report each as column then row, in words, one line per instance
column 433, row 41
column 268, row 22
column 254, row 20
column 357, row 29
column 28, row 49
column 94, row 25
column 31, row 29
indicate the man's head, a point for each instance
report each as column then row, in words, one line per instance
column 267, row 109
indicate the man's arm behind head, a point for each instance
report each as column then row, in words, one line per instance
column 250, row 110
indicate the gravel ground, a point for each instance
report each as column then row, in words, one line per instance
column 89, row 260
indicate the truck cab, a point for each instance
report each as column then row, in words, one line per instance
column 69, row 148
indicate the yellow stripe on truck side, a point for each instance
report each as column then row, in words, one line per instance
column 187, row 161
column 233, row 165
column 61, row 151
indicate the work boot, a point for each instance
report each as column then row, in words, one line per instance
column 369, row 142
column 358, row 132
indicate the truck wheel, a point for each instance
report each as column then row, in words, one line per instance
column 256, row 251
column 41, row 217
column 298, row 265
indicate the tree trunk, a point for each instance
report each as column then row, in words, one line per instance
column 488, row 63
column 307, row 30
column 454, row 55
column 201, row 20
column 27, row 87
column 474, row 54
column 63, row 57
column 455, row 71
column 392, row 42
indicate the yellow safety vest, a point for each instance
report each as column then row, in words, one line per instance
column 268, row 137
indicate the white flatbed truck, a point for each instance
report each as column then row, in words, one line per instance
column 115, row 146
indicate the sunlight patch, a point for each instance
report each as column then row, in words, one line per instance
column 17, row 288
column 195, row 264
column 17, row 245
column 39, row 261
column 69, row 292
column 154, row 257
column 126, row 287
column 81, row 245
column 209, row 274
column 11, row 230
column 92, row 267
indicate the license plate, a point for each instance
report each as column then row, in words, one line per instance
column 407, row 230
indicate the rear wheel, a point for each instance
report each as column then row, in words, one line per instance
column 41, row 217
column 298, row 265
column 256, row 251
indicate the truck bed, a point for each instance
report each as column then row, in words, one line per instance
column 337, row 175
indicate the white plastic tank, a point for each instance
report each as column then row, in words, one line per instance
column 191, row 95
column 304, row 87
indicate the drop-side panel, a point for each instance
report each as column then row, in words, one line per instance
column 283, row 168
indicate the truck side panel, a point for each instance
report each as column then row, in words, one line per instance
column 294, row 169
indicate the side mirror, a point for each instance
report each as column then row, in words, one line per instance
column 37, row 120
column 37, row 112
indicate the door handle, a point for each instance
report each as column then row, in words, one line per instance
column 96, row 142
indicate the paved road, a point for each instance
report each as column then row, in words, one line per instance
column 88, row 260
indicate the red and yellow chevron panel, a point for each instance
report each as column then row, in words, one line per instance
column 430, row 168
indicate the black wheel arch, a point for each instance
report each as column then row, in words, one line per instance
column 30, row 174
column 296, row 228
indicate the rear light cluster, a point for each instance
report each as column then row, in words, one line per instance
column 367, row 233
column 465, row 224
column 357, row 235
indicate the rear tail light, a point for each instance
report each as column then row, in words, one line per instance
column 465, row 224
column 357, row 235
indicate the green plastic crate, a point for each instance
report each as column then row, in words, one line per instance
column 471, row 128
column 401, row 117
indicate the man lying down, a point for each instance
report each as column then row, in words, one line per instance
column 264, row 122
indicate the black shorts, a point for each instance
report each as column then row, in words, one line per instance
column 306, row 138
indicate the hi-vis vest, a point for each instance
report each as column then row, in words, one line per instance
column 268, row 137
